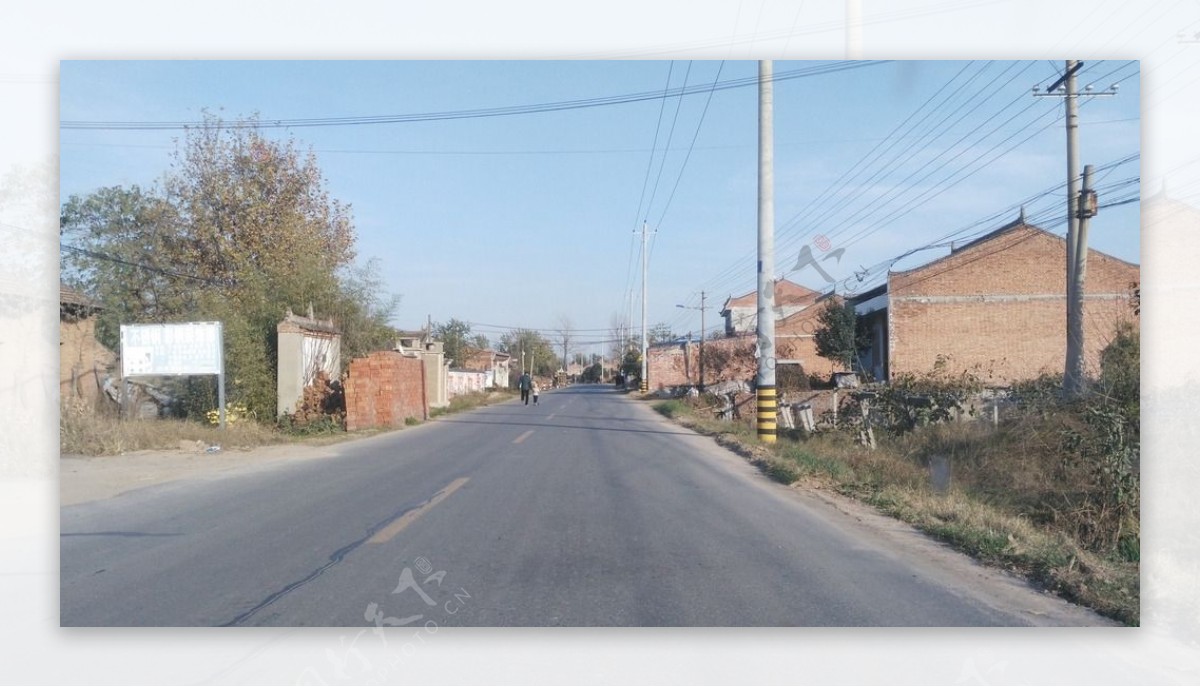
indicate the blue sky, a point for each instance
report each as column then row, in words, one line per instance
column 522, row 221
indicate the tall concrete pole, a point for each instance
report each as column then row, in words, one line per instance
column 645, row 383
column 765, row 381
column 1078, row 277
column 1073, row 372
column 702, row 341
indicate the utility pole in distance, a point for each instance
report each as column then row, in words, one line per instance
column 701, row 309
column 644, row 385
column 765, row 380
column 1064, row 87
column 701, row 341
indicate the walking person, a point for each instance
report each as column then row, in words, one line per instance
column 524, row 385
column 535, row 392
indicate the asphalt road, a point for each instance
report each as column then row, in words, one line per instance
column 585, row 510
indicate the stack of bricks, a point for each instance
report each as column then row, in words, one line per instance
column 384, row 389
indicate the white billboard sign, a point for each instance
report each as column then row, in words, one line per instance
column 189, row 348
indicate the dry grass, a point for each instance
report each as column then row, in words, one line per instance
column 1007, row 504
column 475, row 399
column 84, row 432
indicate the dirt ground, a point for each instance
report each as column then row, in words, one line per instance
column 90, row 478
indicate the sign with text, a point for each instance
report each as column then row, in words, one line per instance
column 188, row 348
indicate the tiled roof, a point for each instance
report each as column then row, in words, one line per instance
column 786, row 293
column 70, row 296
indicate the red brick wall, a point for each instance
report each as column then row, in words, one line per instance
column 668, row 366
column 1001, row 305
column 794, row 340
column 383, row 389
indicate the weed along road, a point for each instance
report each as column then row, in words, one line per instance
column 586, row 509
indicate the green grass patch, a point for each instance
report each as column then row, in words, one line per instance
column 671, row 408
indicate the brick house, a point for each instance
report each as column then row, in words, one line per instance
column 731, row 357
column 494, row 364
column 84, row 362
column 795, row 341
column 741, row 313
column 997, row 302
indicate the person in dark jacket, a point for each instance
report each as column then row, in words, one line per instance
column 525, row 385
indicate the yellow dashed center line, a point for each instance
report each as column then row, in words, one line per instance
column 523, row 437
column 397, row 526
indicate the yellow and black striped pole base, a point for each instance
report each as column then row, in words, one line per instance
column 644, row 386
column 767, row 409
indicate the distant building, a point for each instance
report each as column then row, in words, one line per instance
column 741, row 313
column 494, row 364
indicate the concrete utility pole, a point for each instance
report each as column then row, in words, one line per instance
column 1085, row 208
column 1074, row 373
column 702, row 341
column 766, row 398
column 644, row 385
column 701, row 309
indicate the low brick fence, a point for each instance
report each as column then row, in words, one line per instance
column 383, row 389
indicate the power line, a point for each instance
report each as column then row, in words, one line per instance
column 691, row 146
column 96, row 255
column 478, row 113
column 874, row 210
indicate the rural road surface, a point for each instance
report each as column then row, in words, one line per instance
column 586, row 510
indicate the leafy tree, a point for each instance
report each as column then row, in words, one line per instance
column 118, row 247
column 631, row 363
column 1120, row 374
column 455, row 336
column 840, row 334
column 364, row 311
column 241, row 230
column 255, row 218
column 481, row 342
column 538, row 352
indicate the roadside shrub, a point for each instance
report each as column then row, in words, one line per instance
column 791, row 378
column 910, row 401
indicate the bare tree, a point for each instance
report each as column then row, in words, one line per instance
column 564, row 335
column 622, row 335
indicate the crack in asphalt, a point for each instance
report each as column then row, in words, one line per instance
column 334, row 558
